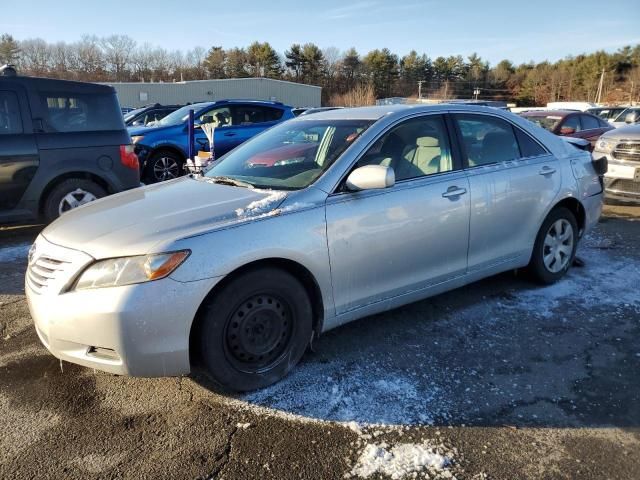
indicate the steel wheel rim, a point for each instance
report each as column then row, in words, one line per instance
column 165, row 168
column 258, row 333
column 558, row 246
column 74, row 199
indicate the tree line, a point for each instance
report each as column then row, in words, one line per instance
column 379, row 73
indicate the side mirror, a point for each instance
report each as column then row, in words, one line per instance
column 371, row 177
column 631, row 117
column 207, row 119
column 137, row 123
column 567, row 131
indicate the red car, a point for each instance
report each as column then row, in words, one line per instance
column 570, row 123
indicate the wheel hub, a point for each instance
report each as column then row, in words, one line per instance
column 165, row 168
column 558, row 246
column 74, row 199
column 258, row 332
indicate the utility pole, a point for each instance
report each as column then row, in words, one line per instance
column 420, row 82
column 599, row 94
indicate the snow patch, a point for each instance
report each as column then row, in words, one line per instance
column 14, row 252
column 607, row 279
column 400, row 460
column 261, row 206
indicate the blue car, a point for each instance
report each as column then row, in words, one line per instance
column 162, row 148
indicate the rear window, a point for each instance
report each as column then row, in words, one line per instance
column 81, row 112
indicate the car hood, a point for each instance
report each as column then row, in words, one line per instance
column 149, row 219
column 623, row 130
column 134, row 131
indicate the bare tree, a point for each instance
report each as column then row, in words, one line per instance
column 117, row 53
column 91, row 64
column 35, row 55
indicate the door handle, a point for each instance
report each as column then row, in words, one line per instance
column 454, row 192
column 229, row 134
column 547, row 171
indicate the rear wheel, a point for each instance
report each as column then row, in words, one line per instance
column 163, row 165
column 555, row 246
column 255, row 329
column 70, row 194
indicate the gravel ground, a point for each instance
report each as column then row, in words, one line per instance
column 498, row 380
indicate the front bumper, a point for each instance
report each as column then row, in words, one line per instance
column 138, row 330
column 621, row 187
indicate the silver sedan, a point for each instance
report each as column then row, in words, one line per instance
column 316, row 222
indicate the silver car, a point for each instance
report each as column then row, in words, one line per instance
column 316, row 222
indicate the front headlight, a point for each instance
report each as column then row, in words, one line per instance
column 136, row 138
column 115, row 272
column 605, row 145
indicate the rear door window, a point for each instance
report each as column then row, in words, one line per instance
column 10, row 117
column 589, row 122
column 75, row 112
column 487, row 139
column 571, row 123
column 250, row 114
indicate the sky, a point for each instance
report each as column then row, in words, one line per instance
column 517, row 30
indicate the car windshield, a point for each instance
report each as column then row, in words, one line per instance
column 179, row 116
column 623, row 114
column 289, row 156
column 129, row 115
column 548, row 122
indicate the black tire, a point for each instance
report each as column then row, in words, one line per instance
column 163, row 165
column 537, row 267
column 52, row 203
column 254, row 330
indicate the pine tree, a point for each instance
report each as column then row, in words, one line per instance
column 9, row 49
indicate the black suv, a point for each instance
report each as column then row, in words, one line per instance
column 62, row 144
column 143, row 116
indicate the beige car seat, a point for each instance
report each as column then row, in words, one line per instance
column 422, row 159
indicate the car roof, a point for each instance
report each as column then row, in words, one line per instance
column 379, row 111
column 55, row 85
column 549, row 113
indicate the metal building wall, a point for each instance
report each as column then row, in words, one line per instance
column 294, row 94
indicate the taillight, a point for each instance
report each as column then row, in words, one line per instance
column 128, row 157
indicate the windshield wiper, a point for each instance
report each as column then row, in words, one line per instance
column 229, row 181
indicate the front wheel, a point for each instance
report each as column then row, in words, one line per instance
column 255, row 329
column 555, row 246
column 163, row 166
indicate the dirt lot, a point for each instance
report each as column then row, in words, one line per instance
column 500, row 380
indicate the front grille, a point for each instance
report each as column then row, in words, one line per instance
column 625, row 186
column 627, row 150
column 43, row 271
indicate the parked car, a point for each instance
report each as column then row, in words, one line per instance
column 570, row 123
column 621, row 147
column 629, row 116
column 162, row 148
column 579, row 106
column 237, row 270
column 606, row 113
column 141, row 117
column 62, row 144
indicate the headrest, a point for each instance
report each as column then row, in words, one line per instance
column 427, row 142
